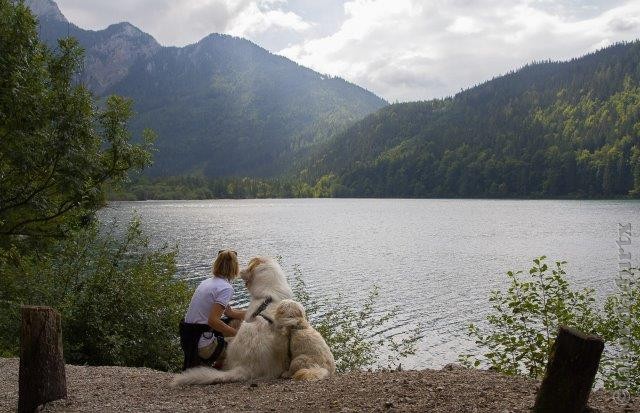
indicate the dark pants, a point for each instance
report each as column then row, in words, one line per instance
column 190, row 334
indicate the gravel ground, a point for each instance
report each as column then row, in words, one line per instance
column 449, row 390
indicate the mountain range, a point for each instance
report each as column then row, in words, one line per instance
column 225, row 108
column 220, row 107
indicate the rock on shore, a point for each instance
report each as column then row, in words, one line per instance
column 125, row 389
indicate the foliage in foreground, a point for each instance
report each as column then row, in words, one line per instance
column 117, row 297
column 520, row 331
column 620, row 327
column 351, row 333
column 119, row 300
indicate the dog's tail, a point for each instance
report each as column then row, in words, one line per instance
column 312, row 373
column 207, row 375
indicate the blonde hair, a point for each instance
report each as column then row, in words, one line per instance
column 226, row 265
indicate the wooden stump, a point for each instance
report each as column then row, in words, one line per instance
column 570, row 373
column 42, row 377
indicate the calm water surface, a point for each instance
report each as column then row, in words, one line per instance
column 437, row 259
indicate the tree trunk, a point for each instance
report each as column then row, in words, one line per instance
column 572, row 368
column 42, row 377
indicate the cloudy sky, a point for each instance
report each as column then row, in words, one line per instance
column 401, row 50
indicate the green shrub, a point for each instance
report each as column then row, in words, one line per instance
column 119, row 300
column 351, row 333
column 523, row 325
column 525, row 320
column 620, row 327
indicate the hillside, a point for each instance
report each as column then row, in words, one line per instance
column 225, row 108
column 550, row 129
column 220, row 107
column 124, row 389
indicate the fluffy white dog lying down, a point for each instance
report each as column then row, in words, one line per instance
column 257, row 350
column 311, row 358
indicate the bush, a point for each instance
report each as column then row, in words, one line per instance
column 119, row 300
column 523, row 326
column 620, row 327
column 352, row 334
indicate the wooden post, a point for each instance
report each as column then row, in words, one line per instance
column 42, row 377
column 570, row 373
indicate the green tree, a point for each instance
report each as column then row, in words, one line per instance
column 119, row 301
column 57, row 151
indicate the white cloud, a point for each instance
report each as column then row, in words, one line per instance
column 254, row 20
column 399, row 49
column 182, row 22
column 411, row 49
column 464, row 25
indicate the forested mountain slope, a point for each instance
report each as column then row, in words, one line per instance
column 547, row 130
column 222, row 106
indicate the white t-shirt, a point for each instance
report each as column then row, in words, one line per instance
column 210, row 291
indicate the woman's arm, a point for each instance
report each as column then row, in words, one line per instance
column 235, row 314
column 217, row 324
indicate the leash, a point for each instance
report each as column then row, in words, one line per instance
column 262, row 307
column 266, row 318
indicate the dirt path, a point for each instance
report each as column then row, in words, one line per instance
column 124, row 389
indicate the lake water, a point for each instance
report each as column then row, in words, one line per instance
column 437, row 259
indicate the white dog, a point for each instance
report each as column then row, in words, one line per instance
column 311, row 358
column 257, row 350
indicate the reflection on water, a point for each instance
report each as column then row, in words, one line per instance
column 436, row 259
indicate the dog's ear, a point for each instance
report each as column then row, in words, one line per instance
column 254, row 262
column 298, row 312
column 247, row 273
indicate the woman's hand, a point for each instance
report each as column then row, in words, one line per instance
column 235, row 314
column 217, row 324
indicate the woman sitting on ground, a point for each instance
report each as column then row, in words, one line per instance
column 210, row 318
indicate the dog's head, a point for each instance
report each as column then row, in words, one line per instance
column 247, row 273
column 290, row 314
column 264, row 277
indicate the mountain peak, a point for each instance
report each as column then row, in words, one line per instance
column 126, row 28
column 46, row 10
column 223, row 106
